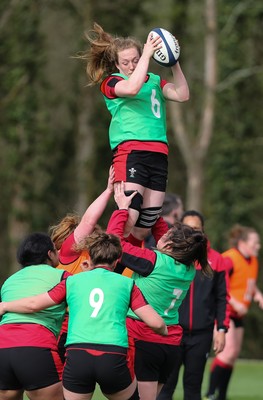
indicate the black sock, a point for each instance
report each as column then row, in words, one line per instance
column 224, row 382
column 214, row 380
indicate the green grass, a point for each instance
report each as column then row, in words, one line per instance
column 246, row 382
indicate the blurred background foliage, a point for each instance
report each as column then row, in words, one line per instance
column 54, row 151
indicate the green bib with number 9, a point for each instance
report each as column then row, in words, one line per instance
column 98, row 302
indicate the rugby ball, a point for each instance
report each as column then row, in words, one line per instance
column 169, row 53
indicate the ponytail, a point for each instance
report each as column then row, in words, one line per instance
column 102, row 55
column 188, row 246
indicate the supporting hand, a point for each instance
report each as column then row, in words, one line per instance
column 121, row 199
column 111, row 178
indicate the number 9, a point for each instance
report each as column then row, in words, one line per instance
column 96, row 303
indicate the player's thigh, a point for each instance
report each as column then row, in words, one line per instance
column 152, row 198
column 148, row 390
column 234, row 339
column 54, row 392
column 11, row 394
column 68, row 395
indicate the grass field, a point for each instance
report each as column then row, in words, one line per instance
column 246, row 382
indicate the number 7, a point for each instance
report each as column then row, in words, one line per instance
column 177, row 293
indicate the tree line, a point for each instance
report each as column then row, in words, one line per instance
column 54, row 146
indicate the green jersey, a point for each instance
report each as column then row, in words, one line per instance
column 166, row 287
column 141, row 117
column 30, row 281
column 98, row 303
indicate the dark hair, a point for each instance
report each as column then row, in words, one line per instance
column 34, row 249
column 103, row 248
column 239, row 232
column 193, row 213
column 171, row 201
column 187, row 246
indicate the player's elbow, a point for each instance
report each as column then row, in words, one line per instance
column 133, row 91
column 184, row 97
column 160, row 327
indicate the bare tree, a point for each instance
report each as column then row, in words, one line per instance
column 194, row 148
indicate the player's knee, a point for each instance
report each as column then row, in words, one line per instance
column 137, row 200
column 148, row 217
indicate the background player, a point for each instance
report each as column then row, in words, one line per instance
column 242, row 264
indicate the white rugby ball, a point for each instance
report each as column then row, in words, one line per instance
column 169, row 53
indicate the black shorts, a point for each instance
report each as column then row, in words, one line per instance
column 154, row 361
column 146, row 168
column 87, row 365
column 238, row 322
column 29, row 368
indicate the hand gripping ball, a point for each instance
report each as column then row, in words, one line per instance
column 169, row 53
